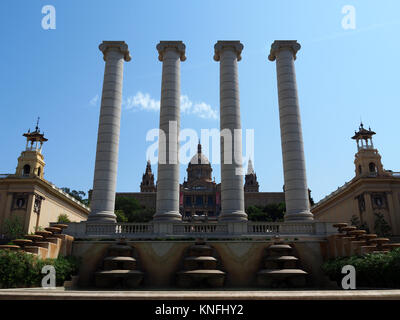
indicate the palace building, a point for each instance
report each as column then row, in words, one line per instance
column 199, row 194
column 373, row 190
column 27, row 195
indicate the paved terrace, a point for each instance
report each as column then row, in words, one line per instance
column 243, row 294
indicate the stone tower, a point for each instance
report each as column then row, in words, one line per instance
column 251, row 183
column 147, row 184
column 31, row 162
column 367, row 159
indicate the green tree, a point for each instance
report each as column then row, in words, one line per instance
column 355, row 221
column 78, row 195
column 270, row 213
column 128, row 208
column 13, row 227
column 382, row 228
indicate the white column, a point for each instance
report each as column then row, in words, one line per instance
column 294, row 169
column 232, row 193
column 171, row 53
column 105, row 172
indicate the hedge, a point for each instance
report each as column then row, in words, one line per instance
column 19, row 269
column 373, row 270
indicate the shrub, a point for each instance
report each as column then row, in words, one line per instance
column 377, row 270
column 13, row 228
column 63, row 218
column 22, row 270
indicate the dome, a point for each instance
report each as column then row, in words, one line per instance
column 199, row 157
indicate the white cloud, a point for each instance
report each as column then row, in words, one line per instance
column 94, row 100
column 143, row 101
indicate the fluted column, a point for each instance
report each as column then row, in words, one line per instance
column 294, row 168
column 171, row 53
column 105, row 172
column 228, row 53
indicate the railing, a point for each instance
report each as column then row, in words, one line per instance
column 280, row 228
column 188, row 229
column 119, row 229
column 200, row 228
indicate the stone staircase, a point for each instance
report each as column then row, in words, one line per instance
column 351, row 241
column 48, row 244
column 281, row 268
column 119, row 268
column 200, row 268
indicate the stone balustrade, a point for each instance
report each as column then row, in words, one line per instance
column 204, row 229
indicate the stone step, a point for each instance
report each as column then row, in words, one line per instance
column 282, row 273
column 53, row 229
column 201, row 262
column 280, row 247
column 280, row 262
column 119, row 263
column 39, row 251
column 201, row 258
column 282, row 258
column 119, row 250
column 200, row 250
column 9, row 247
column 196, row 278
column 116, row 278
column 282, row 278
column 119, row 259
column 33, row 237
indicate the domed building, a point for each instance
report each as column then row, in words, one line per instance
column 200, row 195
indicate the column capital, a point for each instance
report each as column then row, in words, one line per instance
column 222, row 45
column 121, row 45
column 179, row 46
column 280, row 45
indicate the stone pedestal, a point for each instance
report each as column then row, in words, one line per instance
column 296, row 190
column 171, row 53
column 105, row 173
column 232, row 194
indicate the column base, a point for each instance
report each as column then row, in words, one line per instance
column 233, row 216
column 306, row 216
column 102, row 217
column 169, row 216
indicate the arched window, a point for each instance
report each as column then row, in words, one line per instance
column 39, row 171
column 27, row 170
column 372, row 167
column 359, row 169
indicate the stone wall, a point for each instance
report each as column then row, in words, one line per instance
column 241, row 260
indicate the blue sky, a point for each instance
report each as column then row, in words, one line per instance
column 343, row 75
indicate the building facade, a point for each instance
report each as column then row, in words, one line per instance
column 29, row 197
column 373, row 191
column 199, row 194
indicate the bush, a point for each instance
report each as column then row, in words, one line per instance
column 375, row 270
column 13, row 228
column 63, row 218
column 22, row 270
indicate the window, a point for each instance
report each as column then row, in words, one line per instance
column 210, row 200
column 199, row 200
column 27, row 170
column 359, row 169
column 372, row 167
column 39, row 171
column 188, row 201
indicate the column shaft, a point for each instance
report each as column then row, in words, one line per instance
column 105, row 174
column 296, row 190
column 232, row 193
column 167, row 204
